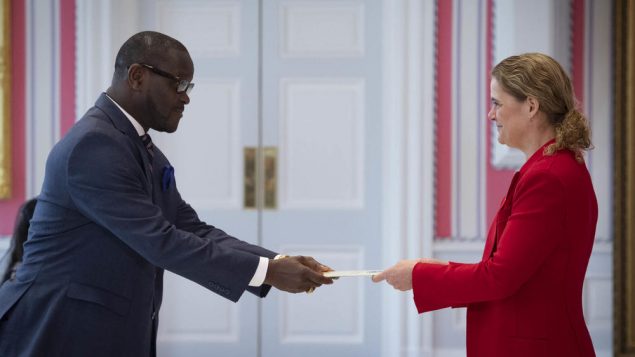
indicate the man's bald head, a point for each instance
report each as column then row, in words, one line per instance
column 144, row 47
column 148, row 70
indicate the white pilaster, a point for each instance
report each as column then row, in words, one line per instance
column 42, row 88
column 102, row 27
column 408, row 161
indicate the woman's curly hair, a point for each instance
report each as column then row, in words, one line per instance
column 540, row 76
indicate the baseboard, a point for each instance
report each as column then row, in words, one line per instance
column 461, row 353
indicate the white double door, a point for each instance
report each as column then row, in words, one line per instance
column 304, row 78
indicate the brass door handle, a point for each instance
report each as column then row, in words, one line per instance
column 260, row 163
column 270, row 163
column 249, row 177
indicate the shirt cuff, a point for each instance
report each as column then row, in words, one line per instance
column 261, row 272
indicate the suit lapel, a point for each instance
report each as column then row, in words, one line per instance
column 121, row 122
column 500, row 221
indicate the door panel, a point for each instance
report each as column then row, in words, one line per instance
column 207, row 153
column 318, row 173
column 321, row 105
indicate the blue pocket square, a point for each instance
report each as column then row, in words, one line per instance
column 168, row 177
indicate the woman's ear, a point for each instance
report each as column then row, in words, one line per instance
column 533, row 106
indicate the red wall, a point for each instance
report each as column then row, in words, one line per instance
column 9, row 207
column 497, row 180
column 67, row 65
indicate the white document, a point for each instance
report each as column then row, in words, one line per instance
column 341, row 273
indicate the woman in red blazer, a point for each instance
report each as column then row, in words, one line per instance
column 524, row 298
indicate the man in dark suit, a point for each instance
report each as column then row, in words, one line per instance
column 109, row 220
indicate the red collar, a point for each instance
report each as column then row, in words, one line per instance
column 539, row 154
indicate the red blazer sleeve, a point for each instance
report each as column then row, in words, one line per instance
column 533, row 230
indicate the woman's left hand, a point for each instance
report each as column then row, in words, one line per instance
column 400, row 274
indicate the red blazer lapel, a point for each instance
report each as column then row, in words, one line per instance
column 500, row 221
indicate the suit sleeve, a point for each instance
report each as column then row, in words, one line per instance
column 188, row 220
column 532, row 232
column 108, row 186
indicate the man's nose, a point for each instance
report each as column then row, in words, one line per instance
column 185, row 98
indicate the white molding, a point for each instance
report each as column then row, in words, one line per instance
column 485, row 81
column 42, row 89
column 598, row 101
column 426, row 19
column 603, row 246
column 408, row 159
column 190, row 175
column 597, row 292
column 288, row 89
column 454, row 123
column 94, row 62
column 5, row 243
column 56, row 72
column 222, row 325
column 393, row 305
column 452, row 245
column 562, row 22
column 101, row 28
column 28, row 124
column 514, row 34
column 458, row 352
column 329, row 254
column 289, row 10
column 423, row 21
column 213, row 14
column 469, row 89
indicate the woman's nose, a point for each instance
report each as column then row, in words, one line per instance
column 491, row 115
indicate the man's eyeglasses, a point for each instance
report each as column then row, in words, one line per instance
column 183, row 85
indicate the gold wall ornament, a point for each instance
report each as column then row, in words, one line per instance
column 624, row 179
column 5, row 99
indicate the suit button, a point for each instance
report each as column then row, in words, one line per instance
column 154, row 314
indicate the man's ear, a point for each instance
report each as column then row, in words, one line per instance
column 533, row 106
column 136, row 76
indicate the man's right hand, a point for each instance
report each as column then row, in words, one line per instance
column 296, row 274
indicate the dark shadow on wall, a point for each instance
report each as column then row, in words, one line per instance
column 20, row 234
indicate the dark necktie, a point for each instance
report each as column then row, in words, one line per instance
column 147, row 142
